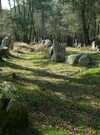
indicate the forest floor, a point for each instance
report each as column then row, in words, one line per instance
column 61, row 99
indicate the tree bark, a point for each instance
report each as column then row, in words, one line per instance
column 43, row 23
column 84, row 25
column 0, row 6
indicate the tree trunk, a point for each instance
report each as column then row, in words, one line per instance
column 84, row 27
column 43, row 23
column 0, row 6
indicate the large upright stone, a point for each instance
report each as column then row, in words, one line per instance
column 6, row 45
column 93, row 47
column 4, row 48
column 57, row 52
column 7, row 42
column 4, row 42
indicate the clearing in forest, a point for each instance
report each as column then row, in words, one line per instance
column 59, row 97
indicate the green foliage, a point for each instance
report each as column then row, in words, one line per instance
column 5, row 23
column 17, row 115
column 56, row 132
column 55, row 19
column 13, row 114
column 59, row 97
column 24, row 15
column 87, row 13
column 3, row 117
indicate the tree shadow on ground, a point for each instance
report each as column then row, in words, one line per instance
column 28, row 131
column 14, row 56
column 35, row 72
column 87, row 79
column 53, row 106
column 67, row 108
column 71, row 83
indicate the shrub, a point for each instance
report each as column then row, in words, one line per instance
column 17, row 115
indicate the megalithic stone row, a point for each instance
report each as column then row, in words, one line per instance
column 57, row 52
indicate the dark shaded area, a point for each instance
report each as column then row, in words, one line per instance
column 27, row 131
column 14, row 56
column 71, row 111
column 36, row 72
column 74, row 89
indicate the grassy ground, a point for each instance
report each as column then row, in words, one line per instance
column 61, row 99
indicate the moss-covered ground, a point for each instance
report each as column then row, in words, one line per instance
column 61, row 99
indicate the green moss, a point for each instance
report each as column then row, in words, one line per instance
column 57, row 132
column 56, row 94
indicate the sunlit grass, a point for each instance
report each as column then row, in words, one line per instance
column 57, row 94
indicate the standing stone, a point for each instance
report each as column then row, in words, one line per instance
column 4, row 48
column 79, row 45
column 75, row 43
column 48, row 42
column 5, row 42
column 93, row 46
column 50, row 51
column 57, row 52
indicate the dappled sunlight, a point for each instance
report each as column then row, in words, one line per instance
column 57, row 94
column 50, row 67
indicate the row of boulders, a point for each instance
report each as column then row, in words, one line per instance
column 57, row 53
column 80, row 59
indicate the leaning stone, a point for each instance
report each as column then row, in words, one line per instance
column 50, row 51
column 84, row 60
column 73, row 59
